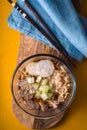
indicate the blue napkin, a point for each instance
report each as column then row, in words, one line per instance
column 62, row 19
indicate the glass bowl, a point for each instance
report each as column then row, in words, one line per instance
column 51, row 115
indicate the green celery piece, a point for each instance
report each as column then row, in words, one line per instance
column 45, row 88
column 44, row 82
column 32, row 91
column 51, row 85
column 36, row 86
column 50, row 95
column 38, row 94
column 38, row 80
column 44, row 96
column 52, row 90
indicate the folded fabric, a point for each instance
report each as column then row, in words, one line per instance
column 61, row 18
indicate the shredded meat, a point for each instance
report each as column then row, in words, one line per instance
column 43, row 105
column 52, row 103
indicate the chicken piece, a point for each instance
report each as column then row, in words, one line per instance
column 31, row 104
column 66, row 94
column 63, row 68
column 43, row 106
column 61, row 99
column 52, row 103
column 25, row 95
column 62, row 90
column 36, row 105
column 56, row 76
column 22, row 83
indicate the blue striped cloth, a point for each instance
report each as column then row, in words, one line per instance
column 62, row 19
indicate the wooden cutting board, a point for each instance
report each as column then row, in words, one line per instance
column 28, row 47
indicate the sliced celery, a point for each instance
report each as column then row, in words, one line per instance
column 36, row 86
column 50, row 95
column 38, row 80
column 51, row 85
column 44, row 96
column 38, row 94
column 32, row 91
column 44, row 88
column 44, row 82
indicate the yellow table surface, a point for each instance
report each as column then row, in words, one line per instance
column 76, row 116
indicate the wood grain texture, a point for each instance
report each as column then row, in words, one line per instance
column 30, row 46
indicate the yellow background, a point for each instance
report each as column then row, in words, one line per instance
column 76, row 116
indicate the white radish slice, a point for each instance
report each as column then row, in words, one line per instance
column 31, row 68
column 45, row 68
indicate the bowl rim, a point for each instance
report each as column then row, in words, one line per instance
column 73, row 78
